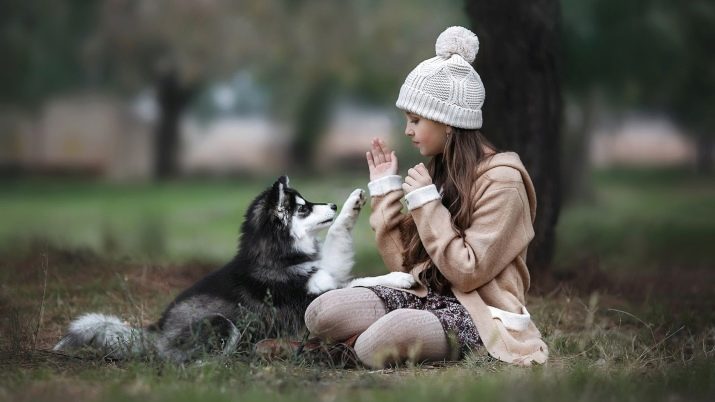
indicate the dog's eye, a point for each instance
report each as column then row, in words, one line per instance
column 302, row 208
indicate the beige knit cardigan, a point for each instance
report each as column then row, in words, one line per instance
column 487, row 266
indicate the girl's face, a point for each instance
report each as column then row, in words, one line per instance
column 427, row 135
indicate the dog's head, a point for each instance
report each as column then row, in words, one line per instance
column 281, row 210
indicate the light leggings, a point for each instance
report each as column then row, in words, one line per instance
column 385, row 338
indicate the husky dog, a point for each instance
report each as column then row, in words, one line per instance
column 262, row 292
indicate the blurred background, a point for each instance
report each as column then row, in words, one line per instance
column 142, row 129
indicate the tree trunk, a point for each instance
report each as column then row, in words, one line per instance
column 704, row 153
column 172, row 97
column 519, row 61
column 312, row 115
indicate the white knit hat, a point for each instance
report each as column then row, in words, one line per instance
column 446, row 88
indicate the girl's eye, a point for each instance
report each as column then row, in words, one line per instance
column 414, row 121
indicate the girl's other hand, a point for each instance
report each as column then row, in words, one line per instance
column 417, row 177
column 380, row 160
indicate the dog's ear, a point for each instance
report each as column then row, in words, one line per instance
column 277, row 194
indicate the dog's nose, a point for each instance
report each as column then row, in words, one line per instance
column 333, row 207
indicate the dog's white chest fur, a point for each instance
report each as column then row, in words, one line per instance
column 337, row 255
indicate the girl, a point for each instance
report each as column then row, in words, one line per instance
column 465, row 243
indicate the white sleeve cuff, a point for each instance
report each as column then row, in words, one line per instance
column 513, row 321
column 422, row 196
column 384, row 185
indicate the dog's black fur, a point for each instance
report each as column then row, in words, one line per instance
column 260, row 275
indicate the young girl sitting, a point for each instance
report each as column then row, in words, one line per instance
column 464, row 236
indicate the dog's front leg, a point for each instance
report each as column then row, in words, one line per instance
column 338, row 253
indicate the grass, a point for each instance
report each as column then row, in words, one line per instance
column 627, row 311
column 168, row 222
column 641, row 220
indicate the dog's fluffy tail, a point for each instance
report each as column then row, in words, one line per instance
column 106, row 334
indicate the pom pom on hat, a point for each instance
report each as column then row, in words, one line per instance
column 457, row 40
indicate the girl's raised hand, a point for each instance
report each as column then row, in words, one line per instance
column 417, row 177
column 380, row 160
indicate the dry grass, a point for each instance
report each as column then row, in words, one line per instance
column 614, row 335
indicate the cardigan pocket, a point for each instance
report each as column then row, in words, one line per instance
column 512, row 321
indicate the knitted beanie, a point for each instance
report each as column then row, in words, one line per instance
column 446, row 88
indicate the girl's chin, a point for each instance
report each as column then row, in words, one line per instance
column 425, row 152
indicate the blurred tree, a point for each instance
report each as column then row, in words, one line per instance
column 41, row 42
column 693, row 82
column 647, row 54
column 518, row 61
column 304, row 52
column 362, row 48
column 177, row 46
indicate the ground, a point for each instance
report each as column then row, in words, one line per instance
column 627, row 308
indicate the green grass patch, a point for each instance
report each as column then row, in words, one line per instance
column 176, row 221
column 641, row 220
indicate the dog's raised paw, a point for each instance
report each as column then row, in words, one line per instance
column 356, row 200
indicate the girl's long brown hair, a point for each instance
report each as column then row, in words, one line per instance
column 454, row 171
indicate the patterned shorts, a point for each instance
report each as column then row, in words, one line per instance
column 455, row 320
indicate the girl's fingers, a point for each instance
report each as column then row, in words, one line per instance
column 370, row 161
column 384, row 149
column 417, row 179
column 422, row 170
column 377, row 153
column 381, row 153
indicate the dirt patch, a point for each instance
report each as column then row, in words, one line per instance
column 684, row 293
column 77, row 281
column 150, row 279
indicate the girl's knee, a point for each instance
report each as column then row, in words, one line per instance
column 323, row 313
column 400, row 322
column 341, row 313
column 393, row 338
column 383, row 340
column 317, row 315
